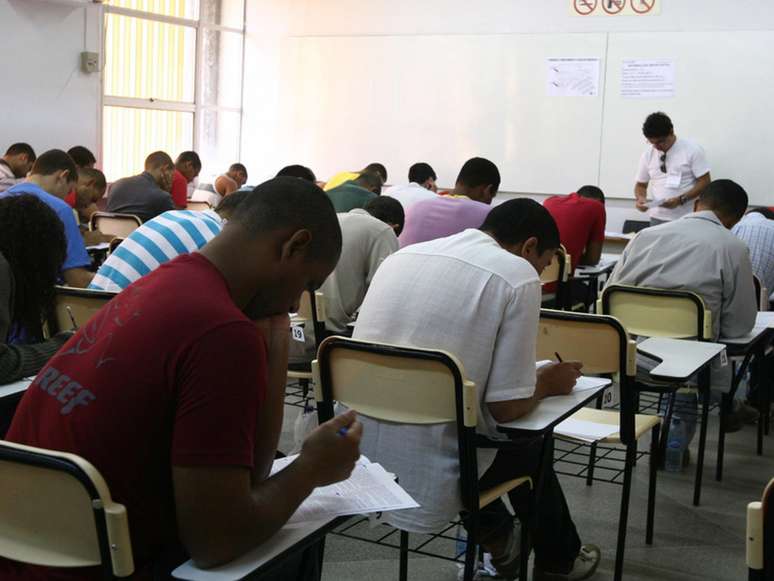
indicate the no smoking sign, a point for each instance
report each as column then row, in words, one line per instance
column 615, row 7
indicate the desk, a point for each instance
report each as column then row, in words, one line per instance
column 680, row 358
column 615, row 242
column 592, row 274
column 11, row 389
column 288, row 541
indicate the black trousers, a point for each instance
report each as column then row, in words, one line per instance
column 554, row 537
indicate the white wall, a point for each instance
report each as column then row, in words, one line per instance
column 45, row 99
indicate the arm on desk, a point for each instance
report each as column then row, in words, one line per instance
column 552, row 379
column 592, row 254
column 78, row 277
column 221, row 514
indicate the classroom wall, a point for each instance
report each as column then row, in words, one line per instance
column 45, row 99
column 273, row 26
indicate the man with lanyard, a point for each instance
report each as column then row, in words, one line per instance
column 675, row 168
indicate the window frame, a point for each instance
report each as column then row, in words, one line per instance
column 198, row 108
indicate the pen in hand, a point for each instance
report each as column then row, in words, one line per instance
column 72, row 318
column 558, row 357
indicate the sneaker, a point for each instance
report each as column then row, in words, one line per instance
column 508, row 564
column 740, row 415
column 585, row 566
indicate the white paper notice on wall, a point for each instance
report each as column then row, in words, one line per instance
column 648, row 79
column 572, row 77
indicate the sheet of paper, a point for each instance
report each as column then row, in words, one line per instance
column 100, row 246
column 585, row 431
column 368, row 489
column 648, row 79
column 572, row 77
column 765, row 319
column 586, row 383
column 611, row 234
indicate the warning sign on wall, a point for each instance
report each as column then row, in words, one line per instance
column 614, row 7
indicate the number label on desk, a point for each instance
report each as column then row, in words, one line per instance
column 298, row 334
column 723, row 358
column 611, row 397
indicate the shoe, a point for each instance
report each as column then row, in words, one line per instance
column 585, row 566
column 740, row 415
column 508, row 565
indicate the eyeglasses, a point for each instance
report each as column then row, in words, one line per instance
column 663, row 162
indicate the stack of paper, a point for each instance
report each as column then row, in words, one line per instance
column 370, row 488
column 585, row 431
column 765, row 319
column 584, row 383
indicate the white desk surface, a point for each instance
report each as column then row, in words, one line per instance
column 680, row 358
column 751, row 337
column 551, row 411
column 10, row 389
column 606, row 264
column 243, row 566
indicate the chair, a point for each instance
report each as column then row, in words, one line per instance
column 56, row 511
column 74, row 307
column 116, row 224
column 761, row 294
column 115, row 243
column 557, row 274
column 418, row 387
column 630, row 226
column 198, row 205
column 760, row 537
column 604, row 347
column 314, row 313
column 677, row 314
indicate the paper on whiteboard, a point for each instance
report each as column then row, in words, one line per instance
column 368, row 489
column 572, row 77
column 648, row 79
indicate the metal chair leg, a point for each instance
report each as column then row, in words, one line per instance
column 653, row 469
column 525, row 545
column 623, row 518
column 705, row 393
column 662, row 445
column 404, row 541
column 725, row 409
column 470, row 552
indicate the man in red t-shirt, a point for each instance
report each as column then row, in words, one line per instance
column 580, row 218
column 187, row 167
column 177, row 397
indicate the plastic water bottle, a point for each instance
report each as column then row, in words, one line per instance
column 462, row 541
column 675, row 446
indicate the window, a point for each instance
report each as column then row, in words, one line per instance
column 172, row 81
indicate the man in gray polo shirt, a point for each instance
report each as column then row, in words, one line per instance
column 145, row 195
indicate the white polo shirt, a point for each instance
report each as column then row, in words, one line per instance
column 685, row 163
column 409, row 194
column 466, row 295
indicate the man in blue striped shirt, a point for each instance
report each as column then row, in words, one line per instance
column 161, row 239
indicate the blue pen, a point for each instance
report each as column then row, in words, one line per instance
column 342, row 431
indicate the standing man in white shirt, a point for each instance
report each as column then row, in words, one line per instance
column 675, row 168
column 421, row 186
column 15, row 165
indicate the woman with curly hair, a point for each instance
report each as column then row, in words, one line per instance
column 32, row 250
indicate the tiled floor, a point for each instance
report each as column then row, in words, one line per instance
column 691, row 543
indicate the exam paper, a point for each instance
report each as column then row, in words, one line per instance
column 585, row 383
column 585, row 431
column 368, row 489
column 765, row 319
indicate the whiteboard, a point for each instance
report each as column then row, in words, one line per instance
column 348, row 101
column 724, row 101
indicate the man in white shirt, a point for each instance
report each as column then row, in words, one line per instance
column 421, row 186
column 369, row 235
column 15, row 165
column 756, row 230
column 675, row 168
column 476, row 294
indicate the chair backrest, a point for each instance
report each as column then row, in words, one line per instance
column 315, row 312
column 56, row 511
column 760, row 536
column 115, row 243
column 559, row 269
column 116, row 224
column 761, row 293
column 602, row 344
column 630, row 226
column 75, row 304
column 198, row 205
column 651, row 312
column 400, row 384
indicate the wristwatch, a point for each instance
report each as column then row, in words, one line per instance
column 682, row 199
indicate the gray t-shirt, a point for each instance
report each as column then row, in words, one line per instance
column 139, row 195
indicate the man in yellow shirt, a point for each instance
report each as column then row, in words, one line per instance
column 347, row 176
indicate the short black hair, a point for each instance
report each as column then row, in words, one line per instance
column 388, row 210
column 81, row 156
column 227, row 204
column 189, row 156
column 515, row 221
column 763, row 210
column 238, row 167
column 657, row 125
column 726, row 198
column 378, row 168
column 478, row 171
column 421, row 172
column 592, row 192
column 22, row 149
column 292, row 203
column 370, row 180
column 94, row 174
column 55, row 160
column 297, row 171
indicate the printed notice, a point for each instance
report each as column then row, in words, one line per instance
column 648, row 79
column 572, row 77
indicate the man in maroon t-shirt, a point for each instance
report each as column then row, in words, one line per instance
column 187, row 168
column 580, row 218
column 175, row 389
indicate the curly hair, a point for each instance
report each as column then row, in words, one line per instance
column 32, row 240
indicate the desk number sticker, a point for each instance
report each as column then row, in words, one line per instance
column 723, row 358
column 297, row 333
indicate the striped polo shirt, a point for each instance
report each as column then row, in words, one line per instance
column 159, row 240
